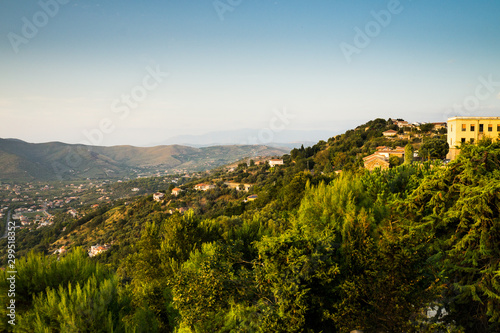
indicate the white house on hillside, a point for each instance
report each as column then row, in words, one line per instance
column 176, row 191
column 158, row 196
column 275, row 162
column 204, row 187
column 390, row 133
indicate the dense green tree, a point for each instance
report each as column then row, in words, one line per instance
column 459, row 209
column 293, row 276
column 433, row 148
column 36, row 273
column 384, row 280
column 93, row 307
column 147, row 271
column 427, row 127
column 205, row 286
column 50, row 293
column 409, row 154
column 292, row 193
column 328, row 168
column 394, row 161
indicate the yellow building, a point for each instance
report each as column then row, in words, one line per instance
column 470, row 129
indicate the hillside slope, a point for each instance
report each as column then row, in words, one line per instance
column 301, row 250
column 24, row 161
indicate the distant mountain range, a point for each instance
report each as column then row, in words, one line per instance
column 24, row 161
column 286, row 138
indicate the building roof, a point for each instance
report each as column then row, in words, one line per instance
column 375, row 160
column 374, row 156
column 204, row 185
column 473, row 118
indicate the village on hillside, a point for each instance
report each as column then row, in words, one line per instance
column 458, row 130
column 35, row 205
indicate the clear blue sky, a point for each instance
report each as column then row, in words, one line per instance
column 230, row 67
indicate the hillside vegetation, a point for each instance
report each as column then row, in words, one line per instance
column 415, row 248
column 22, row 161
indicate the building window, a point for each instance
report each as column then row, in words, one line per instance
column 464, row 127
column 471, row 140
column 498, row 128
column 472, row 128
column 463, row 140
column 490, row 128
column 481, row 128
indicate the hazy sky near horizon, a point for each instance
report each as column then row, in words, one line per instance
column 100, row 67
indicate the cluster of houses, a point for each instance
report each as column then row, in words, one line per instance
column 27, row 216
column 36, row 204
column 159, row 196
column 45, row 223
column 236, row 186
column 407, row 127
column 405, row 124
column 2, row 210
column 272, row 163
column 460, row 130
column 380, row 159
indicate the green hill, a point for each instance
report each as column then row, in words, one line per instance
column 24, row 161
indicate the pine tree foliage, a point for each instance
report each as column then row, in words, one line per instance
column 459, row 209
column 36, row 273
column 409, row 154
column 91, row 307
